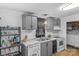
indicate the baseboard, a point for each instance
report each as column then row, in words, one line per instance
column 73, row 46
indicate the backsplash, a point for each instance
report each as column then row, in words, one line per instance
column 31, row 34
column 53, row 33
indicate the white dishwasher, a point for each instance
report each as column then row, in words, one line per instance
column 34, row 49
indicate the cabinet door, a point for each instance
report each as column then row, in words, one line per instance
column 76, row 38
column 72, row 39
column 30, row 50
column 50, row 48
column 49, row 25
column 57, row 22
column 23, row 22
column 44, row 49
column 34, row 22
column 26, row 22
column 76, row 41
column 69, row 37
column 24, row 50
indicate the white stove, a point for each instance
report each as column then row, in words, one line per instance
column 60, row 44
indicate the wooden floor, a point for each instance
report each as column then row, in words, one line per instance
column 68, row 52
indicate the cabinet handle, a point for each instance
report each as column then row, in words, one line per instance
column 31, row 26
column 47, row 44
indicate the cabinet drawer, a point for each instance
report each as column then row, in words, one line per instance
column 34, row 45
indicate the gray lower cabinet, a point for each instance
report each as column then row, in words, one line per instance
column 46, row 48
column 24, row 50
column 50, row 48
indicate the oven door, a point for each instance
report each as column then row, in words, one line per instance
column 60, row 44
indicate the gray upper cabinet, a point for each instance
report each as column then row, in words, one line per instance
column 34, row 22
column 52, row 22
column 23, row 22
column 29, row 22
column 57, row 22
column 49, row 25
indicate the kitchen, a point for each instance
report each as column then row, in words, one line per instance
column 37, row 30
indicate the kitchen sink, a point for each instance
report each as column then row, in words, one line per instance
column 57, row 37
column 42, row 39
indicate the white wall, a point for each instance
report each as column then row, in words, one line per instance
column 14, row 18
column 10, row 17
column 63, row 23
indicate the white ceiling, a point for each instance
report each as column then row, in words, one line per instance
column 52, row 9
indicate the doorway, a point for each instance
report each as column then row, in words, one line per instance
column 72, row 32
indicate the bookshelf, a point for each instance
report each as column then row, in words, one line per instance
column 10, row 41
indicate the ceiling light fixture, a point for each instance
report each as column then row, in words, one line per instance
column 45, row 22
column 69, row 6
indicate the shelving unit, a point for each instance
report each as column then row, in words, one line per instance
column 73, row 25
column 10, row 41
column 73, row 33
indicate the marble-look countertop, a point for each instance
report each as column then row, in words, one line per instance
column 37, row 40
